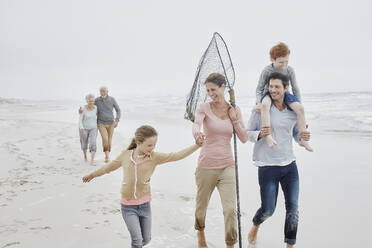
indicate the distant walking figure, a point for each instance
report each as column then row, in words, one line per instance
column 88, row 128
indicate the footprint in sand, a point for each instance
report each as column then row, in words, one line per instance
column 40, row 228
column 89, row 211
column 115, row 211
column 186, row 198
column 160, row 195
column 11, row 244
column 177, row 228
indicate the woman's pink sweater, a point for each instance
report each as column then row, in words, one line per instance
column 216, row 153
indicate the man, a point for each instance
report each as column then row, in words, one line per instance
column 105, row 119
column 277, row 164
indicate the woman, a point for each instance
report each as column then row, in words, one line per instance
column 216, row 163
column 88, row 128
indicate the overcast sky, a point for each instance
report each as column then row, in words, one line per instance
column 53, row 49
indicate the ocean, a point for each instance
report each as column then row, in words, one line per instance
column 347, row 112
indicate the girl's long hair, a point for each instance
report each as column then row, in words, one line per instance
column 141, row 134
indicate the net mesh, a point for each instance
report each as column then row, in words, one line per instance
column 216, row 58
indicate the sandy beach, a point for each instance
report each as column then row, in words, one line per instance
column 43, row 202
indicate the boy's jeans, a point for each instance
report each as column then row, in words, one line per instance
column 269, row 178
column 138, row 221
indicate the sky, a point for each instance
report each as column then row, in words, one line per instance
column 66, row 49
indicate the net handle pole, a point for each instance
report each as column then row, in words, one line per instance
column 232, row 97
column 232, row 101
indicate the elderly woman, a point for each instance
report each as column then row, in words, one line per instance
column 216, row 164
column 88, row 127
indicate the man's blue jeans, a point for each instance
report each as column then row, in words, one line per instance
column 269, row 178
column 138, row 221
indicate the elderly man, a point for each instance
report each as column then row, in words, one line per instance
column 105, row 119
column 277, row 164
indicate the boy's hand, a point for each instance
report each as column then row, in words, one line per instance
column 84, row 132
column 265, row 131
column 88, row 178
column 258, row 107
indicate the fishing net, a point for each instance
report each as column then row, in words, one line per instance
column 215, row 59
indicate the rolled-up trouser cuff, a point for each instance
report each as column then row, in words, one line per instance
column 231, row 242
column 290, row 241
column 198, row 228
column 256, row 223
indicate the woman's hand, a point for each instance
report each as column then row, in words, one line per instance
column 84, row 132
column 232, row 114
column 199, row 139
column 265, row 131
column 88, row 178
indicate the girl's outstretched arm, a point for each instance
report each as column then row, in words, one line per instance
column 161, row 158
column 115, row 164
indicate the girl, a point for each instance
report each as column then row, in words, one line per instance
column 216, row 164
column 139, row 162
column 88, row 128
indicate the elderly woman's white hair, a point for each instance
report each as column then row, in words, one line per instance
column 89, row 96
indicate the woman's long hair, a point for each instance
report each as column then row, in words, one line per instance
column 141, row 134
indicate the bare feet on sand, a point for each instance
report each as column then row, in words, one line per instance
column 306, row 145
column 252, row 236
column 201, row 240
